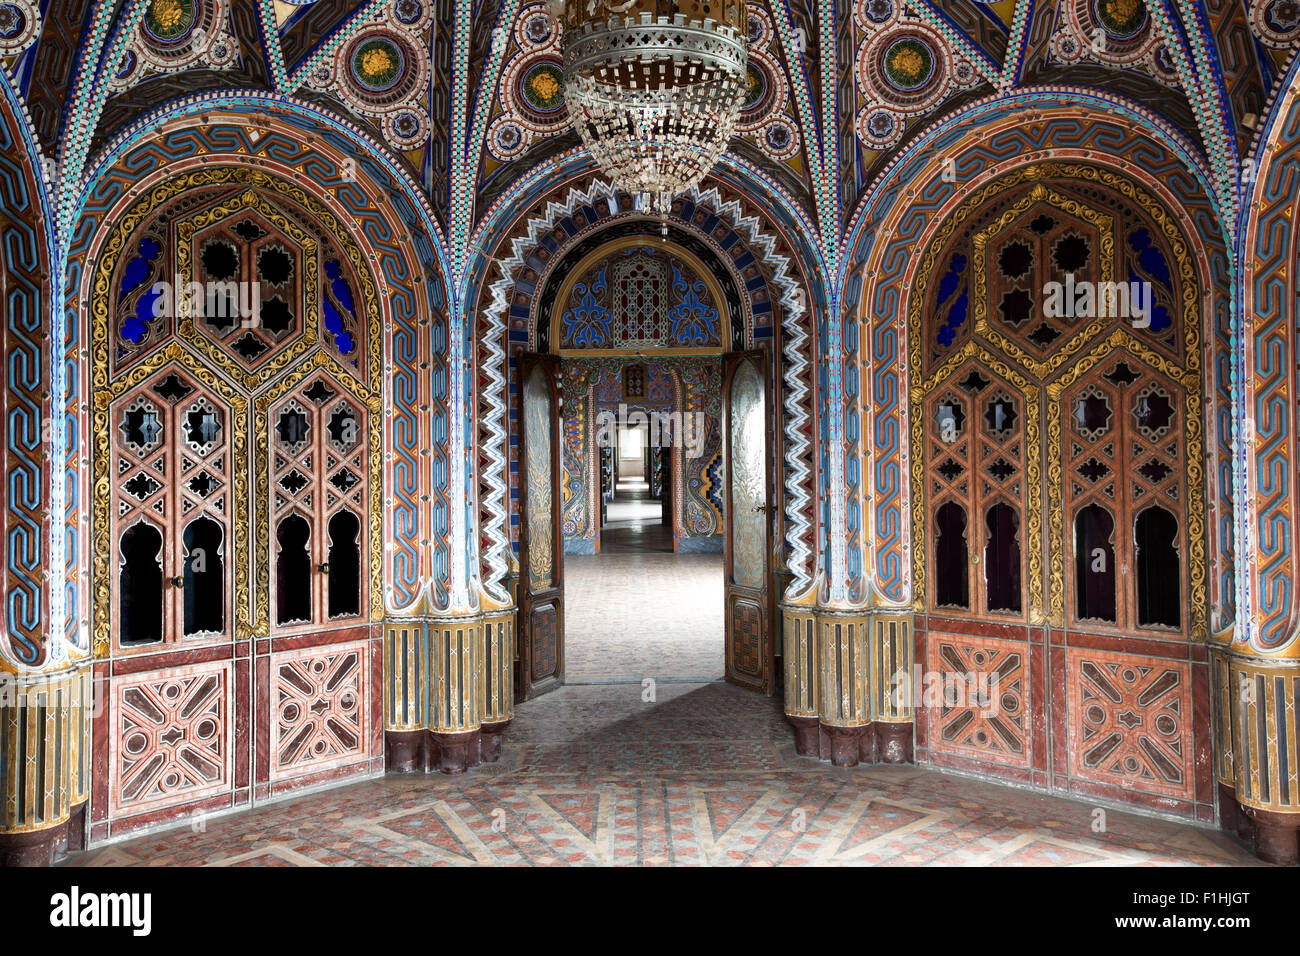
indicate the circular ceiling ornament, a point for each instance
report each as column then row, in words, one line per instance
column 381, row 70
column 542, row 86
column 781, row 139
column 905, row 68
column 873, row 14
column 378, row 64
column 765, row 93
column 537, row 28
column 1276, row 22
column 507, row 139
column 758, row 28
column 170, row 21
column 1122, row 19
column 20, row 25
column 1116, row 32
column 908, row 64
column 408, row 12
column 406, row 128
column 655, row 87
column 879, row 127
column 176, row 35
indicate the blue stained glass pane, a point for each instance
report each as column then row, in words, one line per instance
column 135, row 327
column 137, row 270
column 1149, row 256
column 949, row 283
column 339, row 287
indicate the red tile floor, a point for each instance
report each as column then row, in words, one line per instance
column 705, row 774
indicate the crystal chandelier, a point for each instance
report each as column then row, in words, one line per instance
column 655, row 87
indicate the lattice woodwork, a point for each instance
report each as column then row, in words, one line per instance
column 172, row 464
column 318, row 447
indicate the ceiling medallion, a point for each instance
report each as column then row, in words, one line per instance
column 655, row 88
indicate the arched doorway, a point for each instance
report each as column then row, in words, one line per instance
column 614, row 307
column 1058, row 491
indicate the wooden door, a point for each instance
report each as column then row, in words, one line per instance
column 539, row 666
column 749, row 583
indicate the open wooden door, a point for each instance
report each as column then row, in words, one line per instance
column 539, row 664
column 750, row 588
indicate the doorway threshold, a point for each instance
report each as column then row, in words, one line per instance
column 638, row 680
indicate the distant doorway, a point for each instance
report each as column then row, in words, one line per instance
column 636, row 505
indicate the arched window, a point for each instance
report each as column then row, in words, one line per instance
column 1094, row 564
column 952, row 586
column 344, row 565
column 204, row 590
column 293, row 571
column 1155, row 535
column 1002, row 558
column 141, row 585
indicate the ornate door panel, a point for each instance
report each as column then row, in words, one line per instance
column 315, row 715
column 1121, row 427
column 173, row 558
column 748, row 567
column 540, row 662
column 319, row 533
column 1126, row 719
column 982, row 568
column 981, row 466
column 1056, row 321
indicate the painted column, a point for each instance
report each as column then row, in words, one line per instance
column 45, row 690
column 1257, row 677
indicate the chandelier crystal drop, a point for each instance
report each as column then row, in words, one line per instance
column 655, row 87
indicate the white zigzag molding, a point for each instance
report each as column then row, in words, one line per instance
column 496, row 529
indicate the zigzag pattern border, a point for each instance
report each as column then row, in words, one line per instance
column 493, row 368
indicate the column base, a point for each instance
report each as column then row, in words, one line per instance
column 457, row 752
column 47, row 846
column 806, row 735
column 874, row 743
column 406, row 751
column 1276, row 836
column 1231, row 819
column 490, row 741
column 845, row 744
column 424, row 751
column 895, row 741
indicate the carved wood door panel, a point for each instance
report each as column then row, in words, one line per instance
column 748, row 572
column 540, row 660
column 316, row 448
column 1125, row 493
column 981, row 468
column 173, row 574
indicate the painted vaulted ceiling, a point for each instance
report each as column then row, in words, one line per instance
column 470, row 94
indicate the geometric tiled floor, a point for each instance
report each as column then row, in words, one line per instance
column 704, row 773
